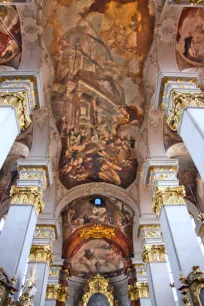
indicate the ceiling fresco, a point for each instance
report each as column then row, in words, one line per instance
column 98, row 48
column 10, row 37
column 190, row 38
column 83, row 212
column 97, row 256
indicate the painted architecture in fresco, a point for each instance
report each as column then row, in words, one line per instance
column 190, row 38
column 10, row 37
column 97, row 94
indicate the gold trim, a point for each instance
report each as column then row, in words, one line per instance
column 153, row 253
column 52, row 291
column 18, row 101
column 180, row 101
column 41, row 253
column 27, row 196
column 62, row 294
column 138, row 291
column 97, row 232
column 151, row 230
column 168, row 196
column 98, row 284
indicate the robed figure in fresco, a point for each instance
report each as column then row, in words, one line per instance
column 95, row 124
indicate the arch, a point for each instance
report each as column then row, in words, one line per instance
column 103, row 189
column 96, row 231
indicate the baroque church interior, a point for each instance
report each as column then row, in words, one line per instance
column 101, row 152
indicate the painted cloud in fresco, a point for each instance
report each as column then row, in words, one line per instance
column 190, row 38
column 83, row 212
column 98, row 48
column 10, row 37
column 97, row 255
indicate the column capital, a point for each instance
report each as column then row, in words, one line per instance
column 138, row 291
column 52, row 291
column 17, row 100
column 169, row 81
column 45, row 234
column 63, row 294
column 181, row 100
column 32, row 169
column 41, row 253
column 160, row 170
column 154, row 253
column 168, row 196
column 27, row 195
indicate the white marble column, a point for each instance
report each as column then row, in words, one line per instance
column 154, row 257
column 9, row 130
column 41, row 256
column 169, row 205
column 26, row 204
column 191, row 130
column 39, row 261
column 14, row 117
column 16, row 237
column 183, row 103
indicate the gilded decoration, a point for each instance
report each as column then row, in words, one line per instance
column 97, row 232
column 201, row 219
column 45, row 231
column 41, row 253
column 180, row 101
column 138, row 290
column 153, row 253
column 192, row 2
column 168, row 196
column 28, row 195
column 34, row 173
column 6, row 287
column 193, row 287
column 149, row 231
column 62, row 294
column 18, row 101
column 52, row 291
column 98, row 284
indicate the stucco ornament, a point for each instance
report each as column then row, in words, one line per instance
column 167, row 31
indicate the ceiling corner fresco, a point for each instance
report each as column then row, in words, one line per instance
column 190, row 38
column 10, row 37
column 98, row 48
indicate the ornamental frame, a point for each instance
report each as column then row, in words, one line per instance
column 98, row 284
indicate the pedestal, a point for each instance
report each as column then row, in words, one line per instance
column 9, row 129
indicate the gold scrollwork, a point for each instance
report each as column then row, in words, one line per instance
column 98, row 284
column 138, row 290
column 27, row 195
column 193, row 2
column 52, row 291
column 57, row 292
column 153, row 253
column 97, row 232
column 168, row 196
column 180, row 101
column 41, row 253
column 18, row 101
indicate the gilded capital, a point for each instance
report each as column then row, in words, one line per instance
column 138, row 291
column 52, row 291
column 41, row 253
column 18, row 101
column 181, row 100
column 28, row 195
column 168, row 196
column 153, row 253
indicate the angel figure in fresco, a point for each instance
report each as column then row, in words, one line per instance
column 10, row 35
